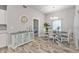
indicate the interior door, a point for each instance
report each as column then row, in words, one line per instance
column 76, row 30
column 35, row 27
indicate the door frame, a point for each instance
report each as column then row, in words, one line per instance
column 33, row 25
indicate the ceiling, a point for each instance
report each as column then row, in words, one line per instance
column 49, row 8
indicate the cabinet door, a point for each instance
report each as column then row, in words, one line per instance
column 31, row 36
column 19, row 39
column 25, row 37
column 2, row 16
column 13, row 39
column 3, row 40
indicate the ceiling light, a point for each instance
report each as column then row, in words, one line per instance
column 54, row 17
column 51, row 17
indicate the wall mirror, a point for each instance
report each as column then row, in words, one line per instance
column 24, row 19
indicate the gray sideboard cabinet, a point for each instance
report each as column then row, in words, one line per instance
column 20, row 38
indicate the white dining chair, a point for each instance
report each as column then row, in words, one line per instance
column 65, row 37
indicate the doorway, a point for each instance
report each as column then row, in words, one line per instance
column 35, row 27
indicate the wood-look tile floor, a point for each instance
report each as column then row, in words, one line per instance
column 39, row 46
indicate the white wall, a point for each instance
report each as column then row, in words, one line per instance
column 13, row 18
column 67, row 17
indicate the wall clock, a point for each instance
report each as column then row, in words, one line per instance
column 24, row 19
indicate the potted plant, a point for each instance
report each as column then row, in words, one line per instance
column 46, row 25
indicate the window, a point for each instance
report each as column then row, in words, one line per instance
column 56, row 25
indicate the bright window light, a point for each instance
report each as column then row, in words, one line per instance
column 57, row 25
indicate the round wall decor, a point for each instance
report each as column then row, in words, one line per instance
column 24, row 19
